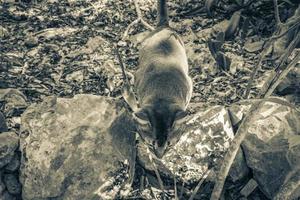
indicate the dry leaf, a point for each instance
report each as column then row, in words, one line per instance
column 233, row 24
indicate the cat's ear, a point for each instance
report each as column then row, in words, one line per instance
column 141, row 116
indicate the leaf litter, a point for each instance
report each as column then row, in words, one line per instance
column 65, row 48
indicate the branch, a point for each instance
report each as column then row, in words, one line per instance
column 276, row 12
column 199, row 184
column 280, row 72
column 288, row 51
column 232, row 151
column 127, row 92
column 175, row 189
column 257, row 67
column 161, row 184
column 282, row 75
column 122, row 67
column 139, row 19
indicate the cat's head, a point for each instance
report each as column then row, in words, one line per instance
column 159, row 126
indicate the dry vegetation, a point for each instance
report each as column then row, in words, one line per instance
column 237, row 49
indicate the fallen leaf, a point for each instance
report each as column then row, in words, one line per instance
column 233, row 24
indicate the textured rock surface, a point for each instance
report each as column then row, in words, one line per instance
column 272, row 147
column 3, row 126
column 76, row 149
column 9, row 142
column 7, row 196
column 12, row 183
column 2, row 186
column 14, row 164
column 14, row 100
column 207, row 136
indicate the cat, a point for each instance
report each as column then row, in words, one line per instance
column 163, row 86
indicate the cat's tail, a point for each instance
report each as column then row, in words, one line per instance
column 162, row 15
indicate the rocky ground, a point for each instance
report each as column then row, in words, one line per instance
column 64, row 48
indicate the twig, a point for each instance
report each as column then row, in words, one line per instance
column 280, row 71
column 175, row 188
column 282, row 75
column 160, row 182
column 199, row 184
column 181, row 190
column 139, row 19
column 276, row 12
column 257, row 67
column 129, row 27
column 122, row 66
column 139, row 14
column 232, row 151
column 294, row 26
column 151, row 191
column 127, row 92
column 288, row 51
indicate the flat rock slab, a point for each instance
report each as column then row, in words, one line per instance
column 206, row 138
column 79, row 148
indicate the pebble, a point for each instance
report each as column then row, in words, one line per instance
column 31, row 42
column 12, row 183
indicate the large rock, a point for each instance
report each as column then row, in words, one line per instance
column 207, row 136
column 271, row 149
column 79, row 148
column 9, row 142
column 272, row 146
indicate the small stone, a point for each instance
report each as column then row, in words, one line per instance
column 31, row 42
column 249, row 188
column 253, row 47
column 14, row 164
column 3, row 32
column 7, row 196
column 9, row 141
column 12, row 183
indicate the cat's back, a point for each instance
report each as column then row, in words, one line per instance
column 162, row 48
